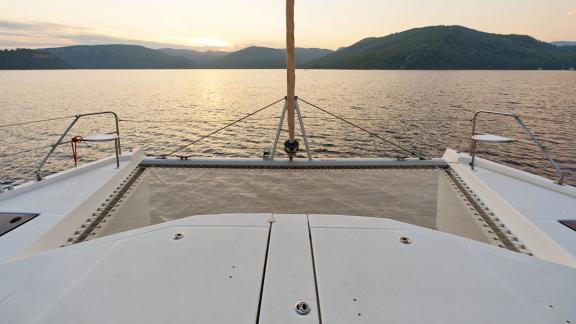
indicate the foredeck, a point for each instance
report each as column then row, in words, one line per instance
column 98, row 200
column 255, row 268
column 532, row 207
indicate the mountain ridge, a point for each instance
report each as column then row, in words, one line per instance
column 252, row 57
column 426, row 48
column 196, row 58
column 116, row 56
column 266, row 58
column 449, row 47
column 27, row 59
column 563, row 43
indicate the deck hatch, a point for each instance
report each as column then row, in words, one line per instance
column 10, row 221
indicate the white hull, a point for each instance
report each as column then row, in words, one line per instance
column 254, row 268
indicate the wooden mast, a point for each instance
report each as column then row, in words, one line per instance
column 290, row 66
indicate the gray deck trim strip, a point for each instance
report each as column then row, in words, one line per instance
column 108, row 206
column 304, row 164
column 506, row 241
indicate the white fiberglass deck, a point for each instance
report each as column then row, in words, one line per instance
column 97, row 200
column 528, row 205
column 542, row 206
column 254, row 268
column 63, row 200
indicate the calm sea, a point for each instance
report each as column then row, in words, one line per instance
column 162, row 110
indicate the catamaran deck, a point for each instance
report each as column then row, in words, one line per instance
column 140, row 227
column 98, row 200
column 255, row 268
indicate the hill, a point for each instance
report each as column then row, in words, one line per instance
column 563, row 43
column 139, row 57
column 27, row 59
column 427, row 48
column 448, row 47
column 117, row 57
column 253, row 57
column 196, row 58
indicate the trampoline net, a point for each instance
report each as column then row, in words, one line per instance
column 426, row 197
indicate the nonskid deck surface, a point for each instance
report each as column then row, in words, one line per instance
column 255, row 268
column 426, row 197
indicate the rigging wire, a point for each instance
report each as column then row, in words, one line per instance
column 35, row 121
column 31, row 150
column 221, row 129
column 418, row 155
column 233, row 122
column 445, row 120
column 135, row 120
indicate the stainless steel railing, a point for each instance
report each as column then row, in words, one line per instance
column 117, row 147
column 525, row 127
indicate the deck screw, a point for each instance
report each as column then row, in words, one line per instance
column 302, row 308
column 405, row 240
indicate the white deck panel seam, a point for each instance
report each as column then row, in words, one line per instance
column 364, row 228
column 310, row 240
column 76, row 281
column 264, row 270
column 36, row 275
column 495, row 273
column 134, row 234
column 162, row 228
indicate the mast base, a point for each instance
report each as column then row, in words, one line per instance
column 291, row 147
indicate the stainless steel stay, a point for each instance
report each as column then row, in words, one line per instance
column 117, row 147
column 533, row 137
column 279, row 129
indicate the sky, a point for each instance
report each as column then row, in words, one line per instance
column 234, row 24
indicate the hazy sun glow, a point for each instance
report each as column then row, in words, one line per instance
column 233, row 24
column 210, row 42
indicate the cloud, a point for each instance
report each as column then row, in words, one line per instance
column 44, row 34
